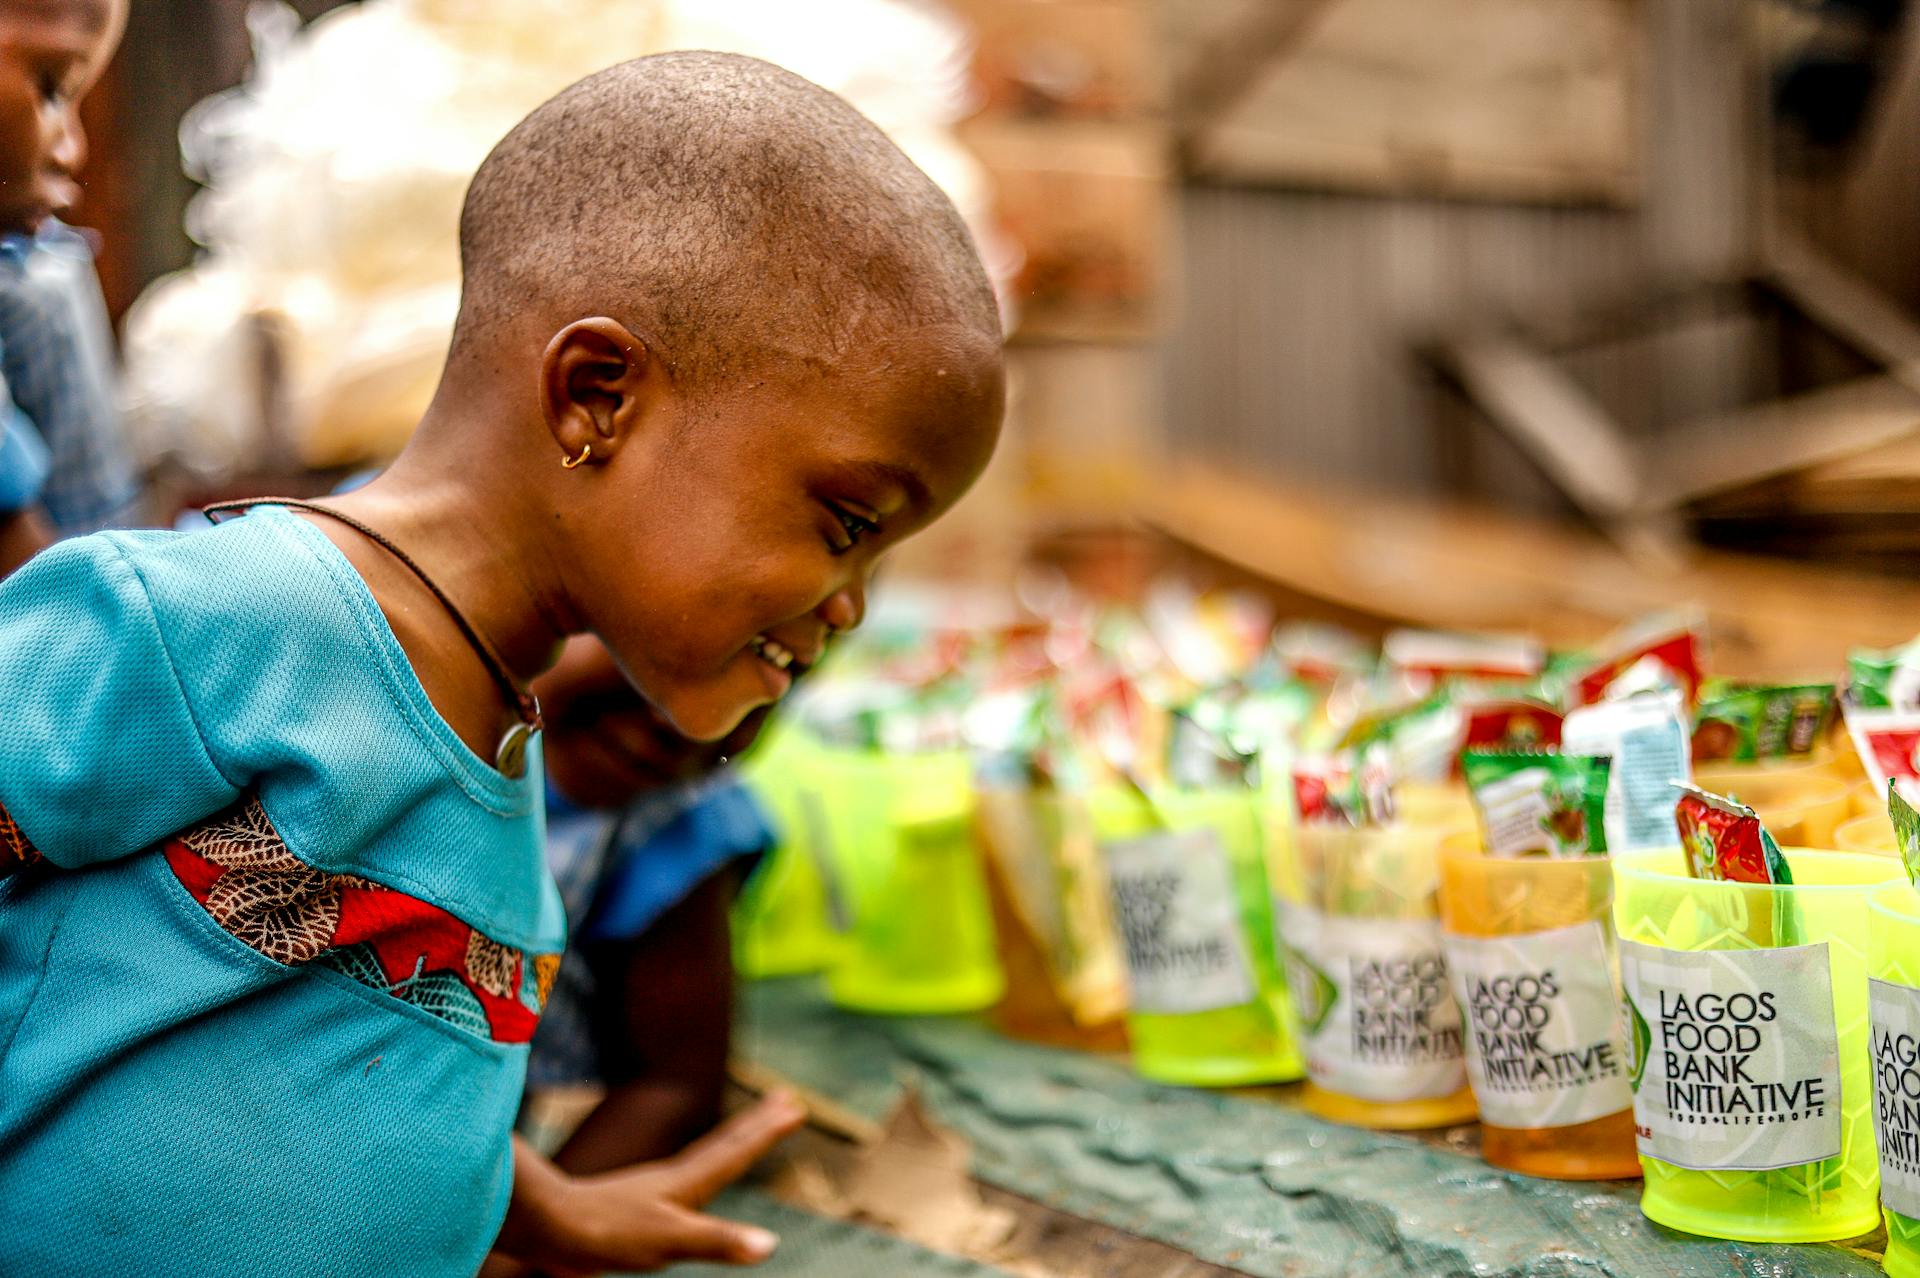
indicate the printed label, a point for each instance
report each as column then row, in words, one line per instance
column 1515, row 811
column 1543, row 1026
column 1173, row 900
column 1374, row 1004
column 1895, row 1012
column 1736, row 1063
column 1649, row 759
column 1649, row 744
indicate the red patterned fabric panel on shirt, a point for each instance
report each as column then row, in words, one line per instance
column 237, row 866
column 16, row 851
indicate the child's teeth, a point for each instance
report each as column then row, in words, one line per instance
column 775, row 653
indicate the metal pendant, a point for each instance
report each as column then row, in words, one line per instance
column 511, row 757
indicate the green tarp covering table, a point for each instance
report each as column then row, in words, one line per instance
column 1249, row 1183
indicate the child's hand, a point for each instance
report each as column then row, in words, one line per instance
column 643, row 1218
column 605, row 744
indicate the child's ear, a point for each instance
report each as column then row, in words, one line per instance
column 596, row 382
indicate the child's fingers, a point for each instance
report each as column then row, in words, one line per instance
column 721, row 1157
column 699, row 1237
column 651, row 1235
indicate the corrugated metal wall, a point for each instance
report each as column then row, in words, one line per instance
column 1291, row 351
column 1291, row 347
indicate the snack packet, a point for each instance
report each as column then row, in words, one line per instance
column 1887, row 740
column 1653, row 654
column 1906, row 830
column 1646, row 736
column 1202, row 752
column 1514, row 723
column 1724, row 841
column 1353, row 788
column 1422, row 741
column 1539, row 803
column 1432, row 657
column 1885, row 680
column 1319, row 653
column 1746, row 723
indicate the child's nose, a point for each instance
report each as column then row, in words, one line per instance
column 844, row 608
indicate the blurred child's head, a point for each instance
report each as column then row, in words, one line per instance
column 771, row 330
column 51, row 53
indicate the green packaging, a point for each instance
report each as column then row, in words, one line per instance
column 1906, row 830
column 1702, row 964
column 1202, row 751
column 1745, row 723
column 1188, row 879
column 1539, row 802
column 1885, row 680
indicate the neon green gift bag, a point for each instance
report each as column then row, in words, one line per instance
column 1746, row 1011
column 788, row 918
column 898, row 828
column 1893, row 960
column 1189, row 883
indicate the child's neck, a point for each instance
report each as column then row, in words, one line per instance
column 464, row 541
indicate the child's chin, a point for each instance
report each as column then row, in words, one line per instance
column 706, row 720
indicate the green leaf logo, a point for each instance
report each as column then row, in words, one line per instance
column 1314, row 993
column 1639, row 1043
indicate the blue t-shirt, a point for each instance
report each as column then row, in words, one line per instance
column 279, row 940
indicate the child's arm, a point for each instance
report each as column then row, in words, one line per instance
column 672, row 988
column 23, row 471
column 643, row 1218
column 23, row 534
column 102, row 755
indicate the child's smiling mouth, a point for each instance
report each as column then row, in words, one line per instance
column 780, row 665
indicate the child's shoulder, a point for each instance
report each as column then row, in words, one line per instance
column 267, row 567
column 241, row 603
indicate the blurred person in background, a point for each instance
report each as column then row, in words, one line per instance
column 65, row 466
column 650, row 837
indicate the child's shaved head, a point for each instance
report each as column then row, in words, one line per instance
column 721, row 346
column 721, row 208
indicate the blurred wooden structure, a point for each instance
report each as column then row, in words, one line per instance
column 1496, row 99
column 1073, row 134
column 1794, row 366
column 1373, row 563
column 1718, row 349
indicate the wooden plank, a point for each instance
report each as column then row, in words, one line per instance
column 1549, row 415
column 1501, row 99
column 1437, row 564
column 1232, row 59
column 1778, row 437
column 1847, row 305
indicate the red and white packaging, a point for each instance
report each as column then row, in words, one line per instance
column 1664, row 650
column 1440, row 654
column 1888, row 742
column 1509, row 724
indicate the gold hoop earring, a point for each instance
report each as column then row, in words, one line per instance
column 568, row 463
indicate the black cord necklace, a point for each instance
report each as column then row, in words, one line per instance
column 511, row 755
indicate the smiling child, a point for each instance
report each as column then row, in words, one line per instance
column 277, row 927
